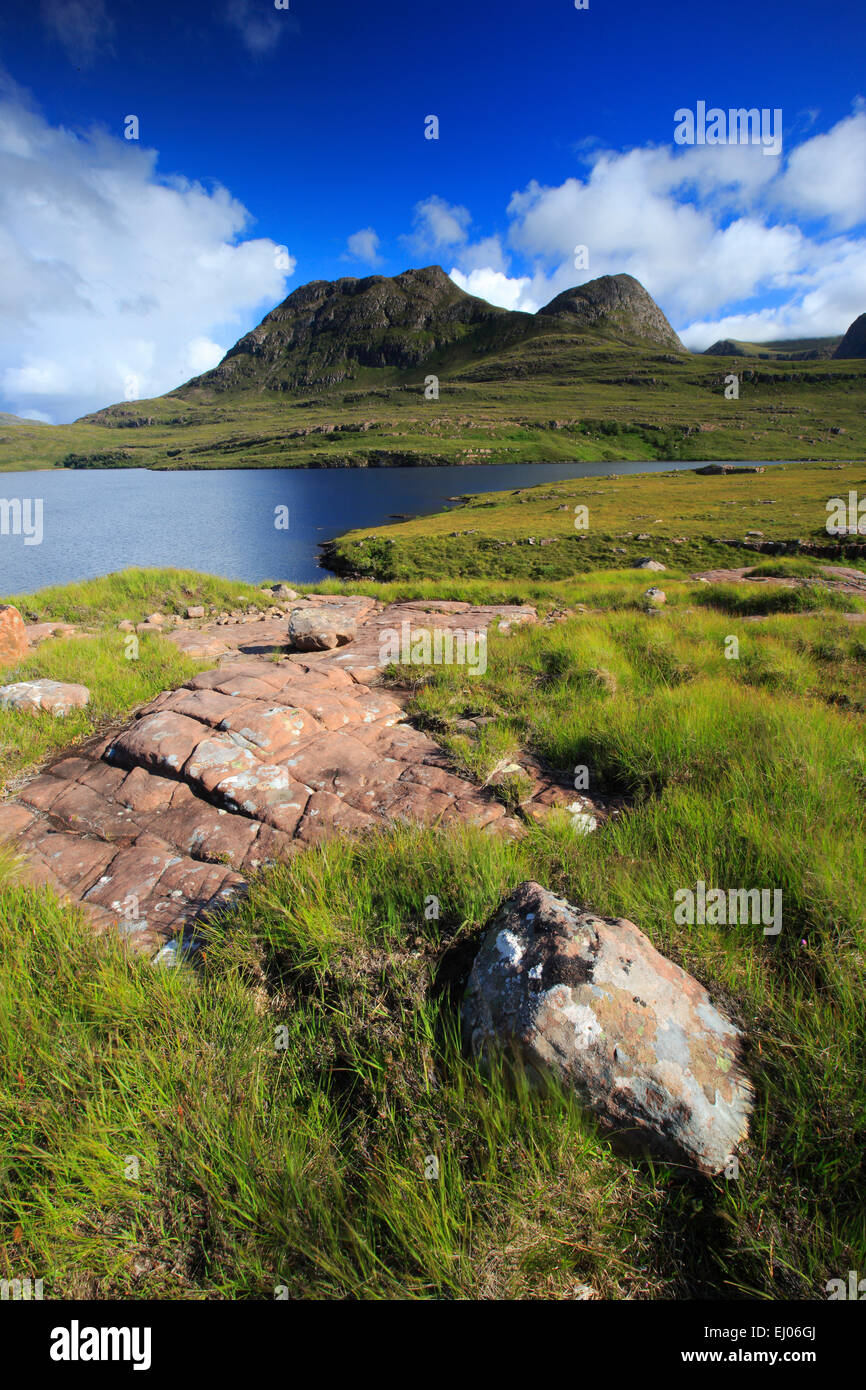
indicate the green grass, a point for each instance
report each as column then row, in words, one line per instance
column 743, row 601
column 116, row 686
column 97, row 657
column 687, row 521
column 563, row 397
column 284, row 1096
column 134, row 594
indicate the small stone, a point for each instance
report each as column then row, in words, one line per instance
column 56, row 696
column 195, row 610
column 14, row 642
column 582, row 822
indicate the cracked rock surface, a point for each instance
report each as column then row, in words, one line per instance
column 246, row 763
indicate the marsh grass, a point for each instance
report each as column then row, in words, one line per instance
column 297, row 1159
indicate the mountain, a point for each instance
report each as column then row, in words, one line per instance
column 324, row 331
column 781, row 350
column 338, row 376
column 6, row 419
column 854, row 342
column 618, row 303
column 331, row 331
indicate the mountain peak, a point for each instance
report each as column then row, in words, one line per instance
column 332, row 331
column 619, row 302
column 854, row 342
column 324, row 331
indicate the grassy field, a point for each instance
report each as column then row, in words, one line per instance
column 265, row 1122
column 559, row 398
column 683, row 519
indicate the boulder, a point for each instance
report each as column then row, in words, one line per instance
column 195, row 610
column 647, row 564
column 321, row 628
column 591, row 1002
column 56, row 696
column 14, row 642
column 656, row 597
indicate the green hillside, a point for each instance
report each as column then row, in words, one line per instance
column 340, row 375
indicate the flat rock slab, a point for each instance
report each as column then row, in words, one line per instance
column 202, row 646
column 38, row 632
column 246, row 763
column 58, row 697
column 592, row 1002
column 397, row 628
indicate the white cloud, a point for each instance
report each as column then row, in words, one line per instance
column 112, row 271
column 202, row 354
column 709, row 230
column 363, row 246
column 437, row 226
column 826, row 176
column 497, row 288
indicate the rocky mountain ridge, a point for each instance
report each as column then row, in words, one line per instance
column 326, row 332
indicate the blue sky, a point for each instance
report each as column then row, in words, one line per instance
column 127, row 266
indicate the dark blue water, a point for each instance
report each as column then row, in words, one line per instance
column 223, row 522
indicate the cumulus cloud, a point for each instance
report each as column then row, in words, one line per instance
column 497, row 288
column 117, row 281
column 729, row 243
column 363, row 246
column 437, row 225
column 826, row 176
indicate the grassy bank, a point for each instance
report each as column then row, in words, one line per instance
column 283, row 1102
column 551, row 531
